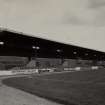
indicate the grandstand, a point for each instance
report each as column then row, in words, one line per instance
column 65, row 74
column 19, row 51
column 8, row 62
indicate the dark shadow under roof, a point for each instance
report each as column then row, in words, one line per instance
column 17, row 44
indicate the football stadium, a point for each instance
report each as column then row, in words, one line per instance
column 52, row 52
column 60, row 73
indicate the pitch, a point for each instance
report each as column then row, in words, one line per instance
column 69, row 88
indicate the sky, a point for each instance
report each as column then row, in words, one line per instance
column 76, row 22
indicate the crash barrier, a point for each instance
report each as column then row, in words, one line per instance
column 4, row 72
column 16, row 72
column 31, row 71
column 72, row 69
column 83, row 68
column 25, row 71
column 94, row 67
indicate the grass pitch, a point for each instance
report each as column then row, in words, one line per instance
column 70, row 88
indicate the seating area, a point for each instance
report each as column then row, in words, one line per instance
column 56, row 65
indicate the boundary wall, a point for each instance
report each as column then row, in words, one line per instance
column 32, row 71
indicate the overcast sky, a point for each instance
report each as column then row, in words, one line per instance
column 77, row 22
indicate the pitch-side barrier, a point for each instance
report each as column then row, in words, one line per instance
column 32, row 71
column 18, row 72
